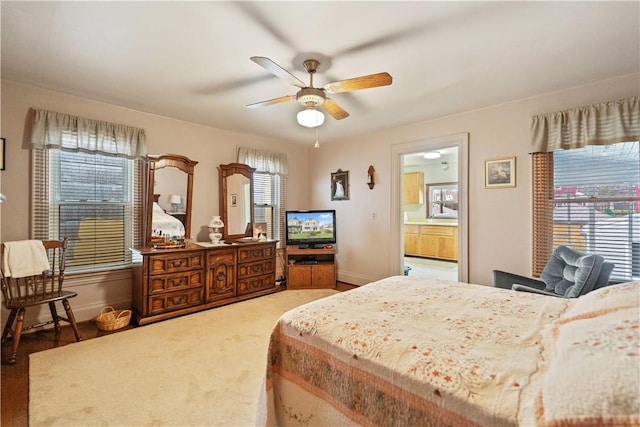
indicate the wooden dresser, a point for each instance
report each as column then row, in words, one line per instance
column 172, row 282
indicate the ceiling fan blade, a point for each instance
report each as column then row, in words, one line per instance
column 357, row 83
column 277, row 70
column 272, row 101
column 334, row 110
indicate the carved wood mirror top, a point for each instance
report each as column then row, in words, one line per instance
column 236, row 200
column 170, row 186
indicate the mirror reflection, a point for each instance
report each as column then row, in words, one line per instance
column 239, row 209
column 443, row 200
column 169, row 196
column 236, row 199
column 171, row 187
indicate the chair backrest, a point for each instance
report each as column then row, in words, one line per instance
column 572, row 273
column 36, row 286
column 605, row 274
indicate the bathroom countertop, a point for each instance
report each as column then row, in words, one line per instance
column 425, row 221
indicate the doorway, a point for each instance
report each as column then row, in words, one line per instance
column 404, row 157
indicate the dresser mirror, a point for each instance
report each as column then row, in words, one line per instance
column 169, row 197
column 236, row 200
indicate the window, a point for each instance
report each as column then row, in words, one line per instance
column 267, row 196
column 589, row 198
column 89, row 199
column 269, row 189
column 88, row 180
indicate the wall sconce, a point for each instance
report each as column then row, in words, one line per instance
column 370, row 178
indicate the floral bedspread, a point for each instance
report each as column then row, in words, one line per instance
column 406, row 351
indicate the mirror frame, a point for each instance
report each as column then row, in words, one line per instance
column 160, row 161
column 226, row 171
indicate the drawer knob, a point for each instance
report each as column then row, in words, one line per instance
column 179, row 300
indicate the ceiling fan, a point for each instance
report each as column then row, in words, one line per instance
column 311, row 97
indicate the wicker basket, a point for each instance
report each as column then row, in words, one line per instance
column 110, row 319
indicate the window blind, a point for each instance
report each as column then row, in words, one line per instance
column 589, row 198
column 93, row 200
column 269, row 201
column 270, row 189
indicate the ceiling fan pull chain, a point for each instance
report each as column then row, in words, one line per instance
column 317, row 144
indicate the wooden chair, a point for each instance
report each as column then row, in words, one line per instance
column 45, row 288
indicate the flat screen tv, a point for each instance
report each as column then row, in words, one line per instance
column 311, row 229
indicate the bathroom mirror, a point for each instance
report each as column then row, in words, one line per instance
column 443, row 200
column 169, row 196
column 236, row 200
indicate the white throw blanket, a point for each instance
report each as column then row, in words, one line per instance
column 25, row 258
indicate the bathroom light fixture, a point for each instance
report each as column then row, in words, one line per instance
column 444, row 166
column 432, row 155
column 310, row 117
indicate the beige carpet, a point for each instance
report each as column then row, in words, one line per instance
column 205, row 369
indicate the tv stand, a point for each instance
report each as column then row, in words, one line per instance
column 311, row 268
column 311, row 246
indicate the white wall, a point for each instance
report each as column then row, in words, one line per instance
column 209, row 146
column 499, row 224
column 499, row 219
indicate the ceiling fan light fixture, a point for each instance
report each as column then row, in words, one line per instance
column 310, row 117
column 432, row 155
column 310, row 96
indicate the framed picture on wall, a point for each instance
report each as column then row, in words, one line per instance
column 500, row 173
column 2, row 143
column 340, row 185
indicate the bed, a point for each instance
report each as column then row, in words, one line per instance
column 405, row 351
column 165, row 224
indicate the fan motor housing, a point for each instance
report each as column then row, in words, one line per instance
column 310, row 95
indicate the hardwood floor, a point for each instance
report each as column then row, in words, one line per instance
column 15, row 378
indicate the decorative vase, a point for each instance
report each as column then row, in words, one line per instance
column 215, row 225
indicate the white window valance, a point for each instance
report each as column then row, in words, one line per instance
column 263, row 161
column 599, row 124
column 67, row 132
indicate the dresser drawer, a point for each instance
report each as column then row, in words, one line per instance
column 175, row 262
column 254, row 253
column 248, row 285
column 250, row 269
column 175, row 282
column 170, row 301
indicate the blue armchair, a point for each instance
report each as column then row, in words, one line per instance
column 569, row 274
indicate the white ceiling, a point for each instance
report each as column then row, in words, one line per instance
column 190, row 60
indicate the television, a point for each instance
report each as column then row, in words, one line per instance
column 311, row 229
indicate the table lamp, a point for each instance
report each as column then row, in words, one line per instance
column 175, row 201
